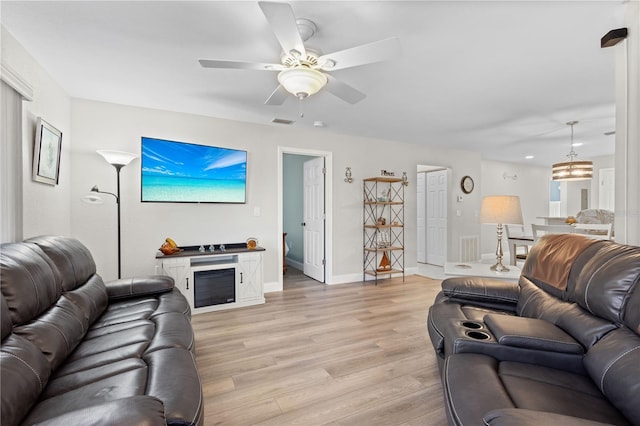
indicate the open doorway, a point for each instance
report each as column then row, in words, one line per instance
column 432, row 221
column 305, row 203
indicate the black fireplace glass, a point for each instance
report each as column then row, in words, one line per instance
column 214, row 287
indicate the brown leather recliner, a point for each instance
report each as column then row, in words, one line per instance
column 77, row 351
column 561, row 346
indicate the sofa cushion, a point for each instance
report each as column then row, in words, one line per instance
column 135, row 410
column 57, row 332
column 24, row 371
column 606, row 280
column 30, row 282
column 71, row 257
column 126, row 384
column 477, row 384
column 613, row 363
column 125, row 288
column 91, row 298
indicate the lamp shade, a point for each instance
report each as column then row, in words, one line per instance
column 301, row 81
column 501, row 209
column 117, row 158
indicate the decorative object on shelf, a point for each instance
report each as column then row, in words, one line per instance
column 466, row 184
column 383, row 239
column 222, row 248
column 381, row 221
column 405, row 180
column 347, row 175
column 252, row 243
column 570, row 220
column 212, row 248
column 572, row 170
column 46, row 153
column 385, row 263
column 386, row 173
column 500, row 210
column 118, row 159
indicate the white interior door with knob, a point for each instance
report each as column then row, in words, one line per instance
column 436, row 187
column 313, row 218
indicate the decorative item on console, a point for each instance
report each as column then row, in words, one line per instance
column 252, row 243
column 570, row 220
column 169, row 247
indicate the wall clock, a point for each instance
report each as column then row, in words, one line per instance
column 466, row 183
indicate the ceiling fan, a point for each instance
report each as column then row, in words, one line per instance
column 304, row 71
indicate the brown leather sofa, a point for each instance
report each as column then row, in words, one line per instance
column 561, row 346
column 77, row 352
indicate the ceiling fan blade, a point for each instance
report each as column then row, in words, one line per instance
column 283, row 24
column 277, row 97
column 378, row 51
column 215, row 63
column 343, row 90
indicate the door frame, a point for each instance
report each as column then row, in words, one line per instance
column 328, row 207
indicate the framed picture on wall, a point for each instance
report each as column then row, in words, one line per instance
column 46, row 153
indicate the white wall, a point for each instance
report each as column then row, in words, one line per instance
column 46, row 208
column 531, row 185
column 99, row 125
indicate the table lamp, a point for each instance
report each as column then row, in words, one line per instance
column 500, row 210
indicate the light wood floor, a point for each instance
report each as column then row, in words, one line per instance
column 349, row 354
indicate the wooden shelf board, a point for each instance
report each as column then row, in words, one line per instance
column 390, row 179
column 392, row 248
column 385, row 272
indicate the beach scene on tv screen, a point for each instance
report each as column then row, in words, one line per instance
column 184, row 172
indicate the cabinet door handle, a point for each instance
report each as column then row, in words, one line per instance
column 187, row 283
column 241, row 278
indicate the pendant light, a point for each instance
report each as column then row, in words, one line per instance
column 572, row 170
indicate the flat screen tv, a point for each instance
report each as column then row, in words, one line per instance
column 178, row 172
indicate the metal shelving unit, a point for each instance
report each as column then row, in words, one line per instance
column 383, row 227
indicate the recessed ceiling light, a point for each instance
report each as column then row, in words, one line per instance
column 577, row 144
column 529, row 157
column 318, row 123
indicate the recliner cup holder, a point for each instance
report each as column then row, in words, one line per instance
column 472, row 324
column 479, row 335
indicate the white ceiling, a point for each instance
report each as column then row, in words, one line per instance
column 497, row 77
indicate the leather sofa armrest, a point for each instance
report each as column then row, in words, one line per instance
column 531, row 333
column 521, row 417
column 135, row 410
column 481, row 290
column 139, row 286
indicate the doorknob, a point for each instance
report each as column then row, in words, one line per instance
column 303, row 224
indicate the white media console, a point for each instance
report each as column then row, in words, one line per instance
column 216, row 280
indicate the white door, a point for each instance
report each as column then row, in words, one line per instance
column 313, row 218
column 437, row 217
column 422, row 219
column 606, row 191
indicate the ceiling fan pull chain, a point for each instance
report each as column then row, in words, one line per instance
column 300, row 109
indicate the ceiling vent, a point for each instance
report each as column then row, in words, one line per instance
column 282, row 121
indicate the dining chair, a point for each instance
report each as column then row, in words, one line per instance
column 516, row 231
column 595, row 230
column 540, row 230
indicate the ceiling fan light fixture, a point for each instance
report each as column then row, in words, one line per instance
column 302, row 82
column 572, row 170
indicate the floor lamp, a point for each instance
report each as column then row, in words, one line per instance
column 118, row 159
column 500, row 210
